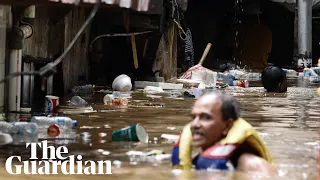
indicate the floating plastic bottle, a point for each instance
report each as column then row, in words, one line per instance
column 24, row 132
column 54, row 131
column 62, row 122
column 290, row 72
column 21, row 132
column 225, row 77
column 5, row 139
column 5, row 127
column 242, row 83
column 307, row 72
column 78, row 101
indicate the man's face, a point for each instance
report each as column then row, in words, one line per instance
column 207, row 125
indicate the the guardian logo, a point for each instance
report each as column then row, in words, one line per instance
column 49, row 164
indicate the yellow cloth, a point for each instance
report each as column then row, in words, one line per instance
column 240, row 132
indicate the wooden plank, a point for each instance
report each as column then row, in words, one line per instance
column 166, row 60
column 37, row 44
column 76, row 63
column 174, row 52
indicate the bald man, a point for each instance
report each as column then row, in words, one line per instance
column 227, row 141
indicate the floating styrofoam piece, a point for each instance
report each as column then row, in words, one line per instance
column 164, row 86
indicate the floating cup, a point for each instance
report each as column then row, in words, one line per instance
column 122, row 83
column 51, row 103
column 134, row 133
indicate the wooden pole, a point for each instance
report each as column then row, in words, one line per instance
column 134, row 51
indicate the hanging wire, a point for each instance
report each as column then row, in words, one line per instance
column 49, row 69
column 177, row 21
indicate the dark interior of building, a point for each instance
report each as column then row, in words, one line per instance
column 112, row 56
column 261, row 25
column 252, row 33
column 316, row 35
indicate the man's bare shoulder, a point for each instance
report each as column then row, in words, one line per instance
column 252, row 163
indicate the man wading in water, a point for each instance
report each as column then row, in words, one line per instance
column 227, row 141
column 274, row 79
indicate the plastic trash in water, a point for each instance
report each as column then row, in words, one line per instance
column 102, row 134
column 153, row 96
column 151, row 156
column 152, row 90
column 251, row 77
column 170, row 137
column 62, row 122
column 242, row 83
column 111, row 99
column 117, row 163
column 24, row 132
column 20, row 128
column 225, row 77
column 54, row 131
column 78, row 101
column 236, row 73
column 6, row 127
column 25, row 128
column 197, row 92
column 309, row 72
column 86, row 137
column 122, row 83
column 312, row 74
column 290, row 72
column 51, row 103
column 5, row 139
column 135, row 133
column 314, row 79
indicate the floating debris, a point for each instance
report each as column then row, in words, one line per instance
column 101, row 134
column 89, row 127
column 171, row 128
column 107, row 126
column 106, row 153
column 154, row 96
column 160, row 105
column 117, row 163
column 100, row 150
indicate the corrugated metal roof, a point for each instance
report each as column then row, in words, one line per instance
column 139, row 5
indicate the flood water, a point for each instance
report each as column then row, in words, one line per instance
column 288, row 123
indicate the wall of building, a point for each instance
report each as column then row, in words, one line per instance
column 5, row 22
column 261, row 38
column 52, row 36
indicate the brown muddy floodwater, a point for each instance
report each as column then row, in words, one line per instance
column 288, row 123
